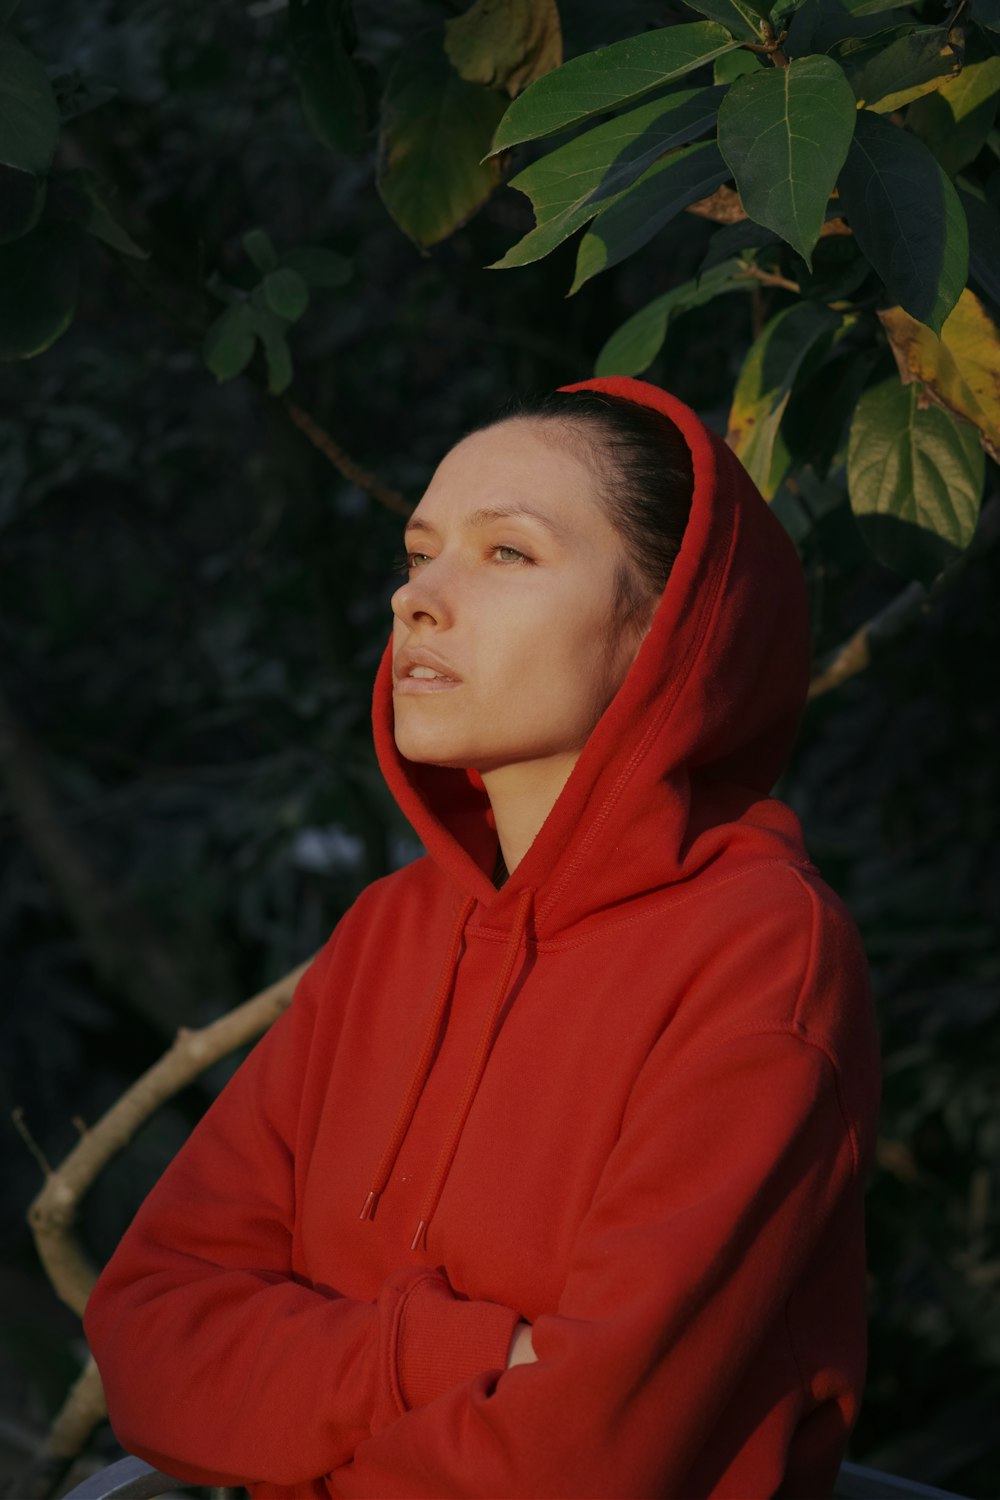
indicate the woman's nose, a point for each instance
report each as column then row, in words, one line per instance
column 424, row 595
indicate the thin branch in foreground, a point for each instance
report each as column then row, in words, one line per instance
column 21, row 1126
column 53, row 1212
column 331, row 450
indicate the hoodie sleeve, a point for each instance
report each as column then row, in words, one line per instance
column 220, row 1366
column 732, row 1164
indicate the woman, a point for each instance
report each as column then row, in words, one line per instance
column 549, row 1182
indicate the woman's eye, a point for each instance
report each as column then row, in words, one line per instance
column 402, row 563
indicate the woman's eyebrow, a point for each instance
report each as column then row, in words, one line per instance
column 487, row 513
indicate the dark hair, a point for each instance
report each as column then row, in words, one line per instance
column 645, row 480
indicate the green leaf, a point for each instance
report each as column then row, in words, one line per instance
column 580, row 179
column 22, row 197
column 955, row 120
column 271, row 331
column 76, row 95
column 828, row 25
column 318, row 266
column 608, row 77
column 229, row 342
column 785, row 133
column 260, row 249
column 39, row 284
column 633, row 347
column 331, row 93
column 739, row 18
column 818, row 416
column 29, row 115
column 660, row 194
column 885, row 78
column 505, row 44
column 789, row 343
column 915, row 480
column 286, row 293
column 837, row 271
column 907, row 217
column 98, row 218
column 434, row 131
column 733, row 65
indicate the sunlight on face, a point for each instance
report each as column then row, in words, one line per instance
column 518, row 609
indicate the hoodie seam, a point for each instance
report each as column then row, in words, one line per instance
column 797, row 1030
column 560, row 945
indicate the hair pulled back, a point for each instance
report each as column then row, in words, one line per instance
column 644, row 478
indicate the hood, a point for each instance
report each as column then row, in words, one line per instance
column 677, row 771
column 698, row 731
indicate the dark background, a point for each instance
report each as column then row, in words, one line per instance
column 193, row 602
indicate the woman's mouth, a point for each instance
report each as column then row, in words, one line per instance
column 425, row 682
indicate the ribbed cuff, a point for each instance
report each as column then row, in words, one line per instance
column 444, row 1340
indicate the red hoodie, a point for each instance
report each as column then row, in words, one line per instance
column 629, row 1097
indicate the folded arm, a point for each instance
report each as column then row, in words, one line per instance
column 219, row 1364
column 723, row 1180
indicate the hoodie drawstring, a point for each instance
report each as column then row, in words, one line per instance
column 423, row 1067
column 477, row 1068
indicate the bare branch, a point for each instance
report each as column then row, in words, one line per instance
column 53, row 1211
column 752, row 272
column 20, row 1125
column 352, row 471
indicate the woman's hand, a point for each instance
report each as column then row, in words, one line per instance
column 522, row 1351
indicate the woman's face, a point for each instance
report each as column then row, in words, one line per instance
column 516, row 609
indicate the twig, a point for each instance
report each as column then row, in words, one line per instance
column 189, row 311
column 84, row 1406
column 321, row 439
column 52, row 1214
column 17, row 1115
column 751, row 272
column 770, row 46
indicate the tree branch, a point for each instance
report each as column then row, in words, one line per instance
column 189, row 311
column 321, row 439
column 751, row 272
column 53, row 1212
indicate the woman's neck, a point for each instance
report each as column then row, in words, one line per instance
column 522, row 794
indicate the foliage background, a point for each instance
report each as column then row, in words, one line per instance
column 193, row 602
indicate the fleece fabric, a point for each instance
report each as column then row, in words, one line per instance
column 629, row 1097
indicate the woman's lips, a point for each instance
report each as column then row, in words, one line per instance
column 425, row 684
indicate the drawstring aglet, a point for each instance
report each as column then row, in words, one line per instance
column 421, row 1231
column 369, row 1208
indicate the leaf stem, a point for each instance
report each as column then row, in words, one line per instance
column 771, row 45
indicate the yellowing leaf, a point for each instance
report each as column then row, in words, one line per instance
column 505, row 43
column 961, row 369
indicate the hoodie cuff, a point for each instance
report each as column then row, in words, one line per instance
column 444, row 1340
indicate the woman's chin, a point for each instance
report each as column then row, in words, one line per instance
column 434, row 749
